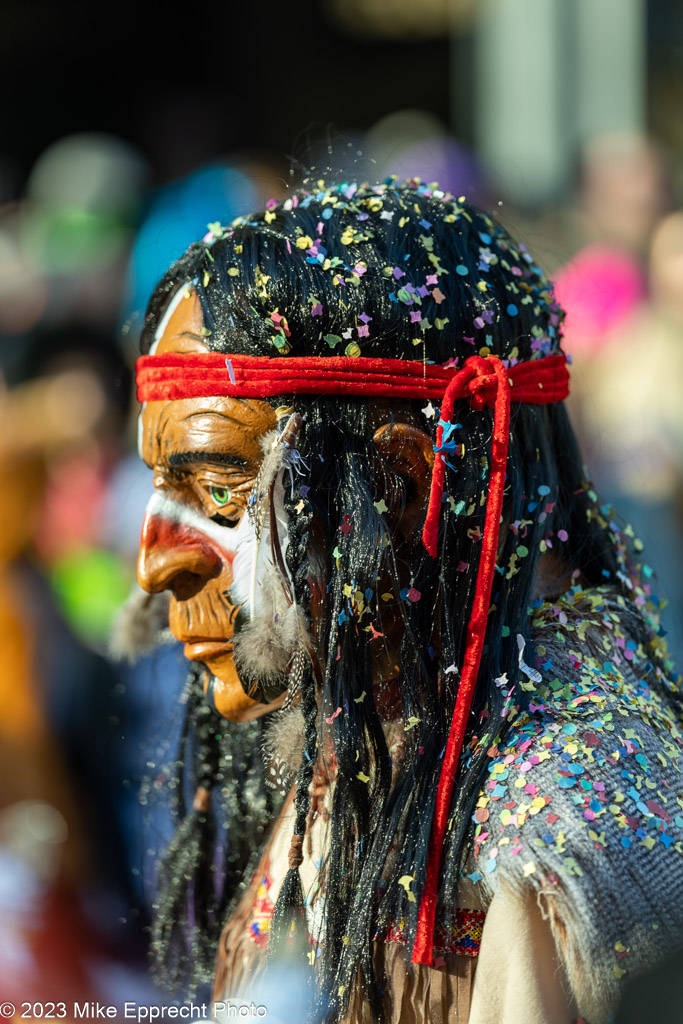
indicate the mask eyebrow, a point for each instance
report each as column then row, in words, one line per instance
column 178, row 459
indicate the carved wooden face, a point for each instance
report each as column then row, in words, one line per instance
column 205, row 454
column 197, row 537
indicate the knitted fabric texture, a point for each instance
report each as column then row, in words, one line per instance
column 585, row 798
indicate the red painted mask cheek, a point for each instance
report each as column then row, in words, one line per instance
column 178, row 557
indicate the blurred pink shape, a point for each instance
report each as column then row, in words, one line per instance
column 599, row 288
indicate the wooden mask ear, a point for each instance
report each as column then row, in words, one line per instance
column 410, row 453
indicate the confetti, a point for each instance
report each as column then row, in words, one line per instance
column 406, row 881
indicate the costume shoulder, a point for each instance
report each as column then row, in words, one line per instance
column 585, row 797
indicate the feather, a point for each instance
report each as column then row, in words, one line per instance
column 141, row 624
column 264, row 648
column 282, row 745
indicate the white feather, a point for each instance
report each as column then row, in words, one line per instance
column 141, row 624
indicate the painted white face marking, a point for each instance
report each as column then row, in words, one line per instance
column 249, row 555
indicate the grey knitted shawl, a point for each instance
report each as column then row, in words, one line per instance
column 584, row 803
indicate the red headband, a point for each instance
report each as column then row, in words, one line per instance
column 482, row 382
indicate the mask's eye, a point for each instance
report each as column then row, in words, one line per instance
column 220, row 495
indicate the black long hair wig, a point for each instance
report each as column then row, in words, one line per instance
column 408, row 272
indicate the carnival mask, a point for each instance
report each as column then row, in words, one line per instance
column 201, row 542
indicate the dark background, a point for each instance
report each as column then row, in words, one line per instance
column 219, row 77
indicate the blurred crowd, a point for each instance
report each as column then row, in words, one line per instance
column 86, row 742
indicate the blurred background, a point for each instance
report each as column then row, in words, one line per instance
column 125, row 130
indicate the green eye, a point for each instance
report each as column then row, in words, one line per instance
column 221, row 495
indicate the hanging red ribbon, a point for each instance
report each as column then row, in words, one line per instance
column 479, row 373
column 482, row 382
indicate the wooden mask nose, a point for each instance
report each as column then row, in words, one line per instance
column 175, row 557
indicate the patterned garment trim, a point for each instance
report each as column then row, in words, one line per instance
column 463, row 937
